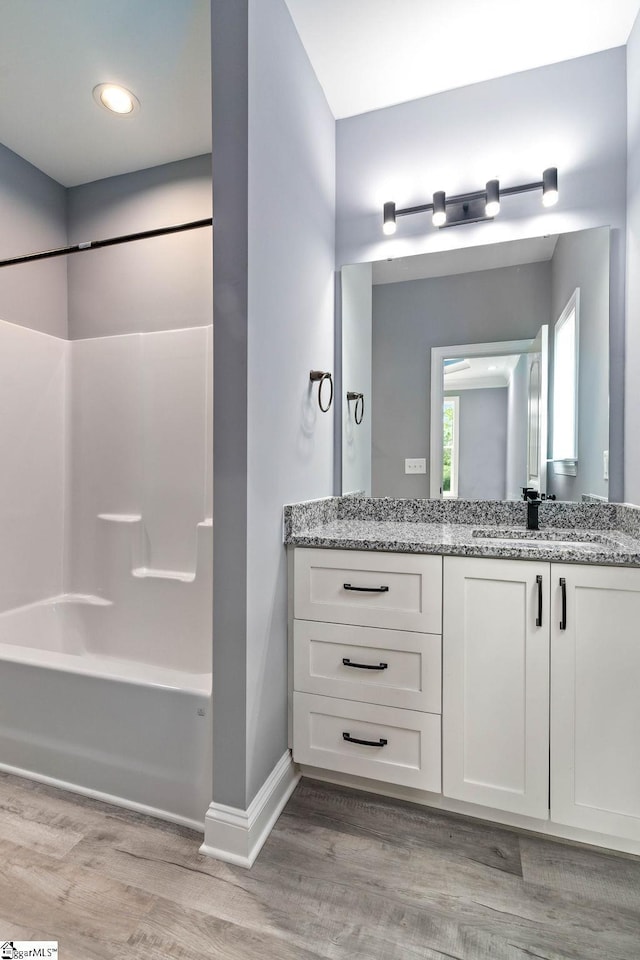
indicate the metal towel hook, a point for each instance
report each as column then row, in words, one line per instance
column 321, row 376
column 359, row 399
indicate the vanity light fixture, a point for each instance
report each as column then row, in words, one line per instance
column 116, row 99
column 472, row 207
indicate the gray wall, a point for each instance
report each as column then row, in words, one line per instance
column 273, row 283
column 632, row 375
column 229, row 26
column 33, row 219
column 163, row 283
column 571, row 115
column 356, row 376
column 582, row 260
column 412, row 317
column 482, row 445
column 517, row 429
column 291, row 220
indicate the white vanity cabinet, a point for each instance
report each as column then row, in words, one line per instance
column 511, row 686
column 520, row 637
column 496, row 684
column 595, row 699
column 367, row 664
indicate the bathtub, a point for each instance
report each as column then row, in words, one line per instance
column 123, row 731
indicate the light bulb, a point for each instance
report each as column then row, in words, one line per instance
column 389, row 218
column 550, row 186
column 439, row 217
column 492, row 206
column 115, row 98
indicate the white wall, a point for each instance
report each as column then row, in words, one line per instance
column 32, row 439
column 571, row 115
column 632, row 372
column 357, row 322
column 139, row 445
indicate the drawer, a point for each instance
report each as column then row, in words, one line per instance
column 409, row 753
column 398, row 591
column 391, row 667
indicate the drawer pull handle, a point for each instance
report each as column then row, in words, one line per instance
column 365, row 666
column 347, row 586
column 539, row 617
column 365, row 743
column 563, row 588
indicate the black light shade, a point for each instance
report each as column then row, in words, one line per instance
column 550, row 186
column 439, row 208
column 389, row 218
column 492, row 207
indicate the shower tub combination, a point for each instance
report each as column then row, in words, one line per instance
column 125, row 731
column 106, row 566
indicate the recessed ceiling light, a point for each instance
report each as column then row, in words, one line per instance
column 116, row 99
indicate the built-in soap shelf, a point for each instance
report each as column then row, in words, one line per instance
column 145, row 572
column 120, row 517
column 139, row 569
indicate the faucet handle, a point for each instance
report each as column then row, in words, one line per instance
column 530, row 493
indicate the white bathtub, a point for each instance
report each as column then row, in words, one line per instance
column 127, row 732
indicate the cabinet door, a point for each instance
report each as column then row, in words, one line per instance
column 495, row 711
column 595, row 700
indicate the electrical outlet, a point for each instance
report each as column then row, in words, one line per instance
column 418, row 465
column 605, row 465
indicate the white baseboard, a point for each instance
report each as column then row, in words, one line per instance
column 237, row 836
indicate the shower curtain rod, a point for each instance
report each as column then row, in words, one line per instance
column 112, row 241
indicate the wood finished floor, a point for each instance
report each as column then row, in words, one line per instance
column 345, row 875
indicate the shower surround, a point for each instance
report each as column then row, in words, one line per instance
column 106, row 565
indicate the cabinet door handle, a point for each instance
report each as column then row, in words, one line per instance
column 365, row 666
column 347, row 586
column 539, row 617
column 563, row 588
column 365, row 743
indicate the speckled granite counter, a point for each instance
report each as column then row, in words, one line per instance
column 570, row 533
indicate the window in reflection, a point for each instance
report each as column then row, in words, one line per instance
column 450, row 446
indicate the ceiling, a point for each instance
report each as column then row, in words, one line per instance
column 481, row 372
column 447, row 263
column 366, row 53
column 53, row 53
column 369, row 54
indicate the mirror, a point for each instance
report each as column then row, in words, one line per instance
column 496, row 305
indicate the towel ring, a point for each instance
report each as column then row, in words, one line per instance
column 320, row 376
column 359, row 399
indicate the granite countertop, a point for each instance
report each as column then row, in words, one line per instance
column 581, row 533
